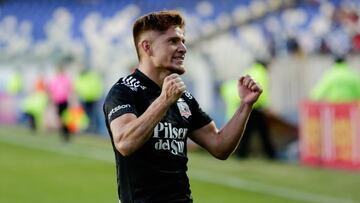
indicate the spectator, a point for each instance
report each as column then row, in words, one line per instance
column 338, row 84
column 89, row 88
column 15, row 84
column 34, row 105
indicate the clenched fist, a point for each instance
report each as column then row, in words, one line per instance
column 172, row 88
column 249, row 89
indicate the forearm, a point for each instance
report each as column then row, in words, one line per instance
column 135, row 133
column 230, row 135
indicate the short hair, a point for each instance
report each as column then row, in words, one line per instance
column 157, row 21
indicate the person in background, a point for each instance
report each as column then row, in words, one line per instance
column 60, row 90
column 15, row 90
column 150, row 115
column 35, row 104
column 89, row 88
column 257, row 120
column 338, row 84
column 15, row 84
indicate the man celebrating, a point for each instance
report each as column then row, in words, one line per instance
column 149, row 116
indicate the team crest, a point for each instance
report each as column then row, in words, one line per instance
column 183, row 108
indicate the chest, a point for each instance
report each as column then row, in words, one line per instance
column 178, row 115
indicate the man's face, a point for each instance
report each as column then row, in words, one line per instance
column 168, row 50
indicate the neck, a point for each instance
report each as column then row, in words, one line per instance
column 156, row 74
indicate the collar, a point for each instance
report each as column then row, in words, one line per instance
column 146, row 80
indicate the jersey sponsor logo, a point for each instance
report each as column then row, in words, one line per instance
column 183, row 108
column 117, row 108
column 176, row 147
column 132, row 83
column 170, row 138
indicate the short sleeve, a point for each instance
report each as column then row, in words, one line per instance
column 199, row 118
column 120, row 100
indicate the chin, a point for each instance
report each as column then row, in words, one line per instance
column 178, row 70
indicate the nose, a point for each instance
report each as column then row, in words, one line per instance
column 182, row 48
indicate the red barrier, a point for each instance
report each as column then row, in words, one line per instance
column 330, row 134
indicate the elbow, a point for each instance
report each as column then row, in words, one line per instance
column 222, row 155
column 124, row 149
column 221, row 151
column 123, row 145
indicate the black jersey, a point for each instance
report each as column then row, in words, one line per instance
column 157, row 171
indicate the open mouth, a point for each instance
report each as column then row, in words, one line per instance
column 179, row 59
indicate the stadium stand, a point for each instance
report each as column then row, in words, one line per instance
column 224, row 37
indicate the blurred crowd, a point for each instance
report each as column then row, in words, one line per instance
column 58, row 101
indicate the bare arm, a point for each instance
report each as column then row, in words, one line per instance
column 130, row 132
column 221, row 143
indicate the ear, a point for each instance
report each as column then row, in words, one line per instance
column 146, row 47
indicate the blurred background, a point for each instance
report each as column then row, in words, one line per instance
column 297, row 39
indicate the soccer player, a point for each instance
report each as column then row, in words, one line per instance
column 150, row 115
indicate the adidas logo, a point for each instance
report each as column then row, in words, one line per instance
column 132, row 83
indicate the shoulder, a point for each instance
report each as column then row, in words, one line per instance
column 128, row 83
column 120, row 95
column 124, row 86
column 188, row 95
column 131, row 82
column 189, row 99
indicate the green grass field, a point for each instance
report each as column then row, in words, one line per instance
column 39, row 168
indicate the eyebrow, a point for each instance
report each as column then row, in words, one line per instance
column 176, row 38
